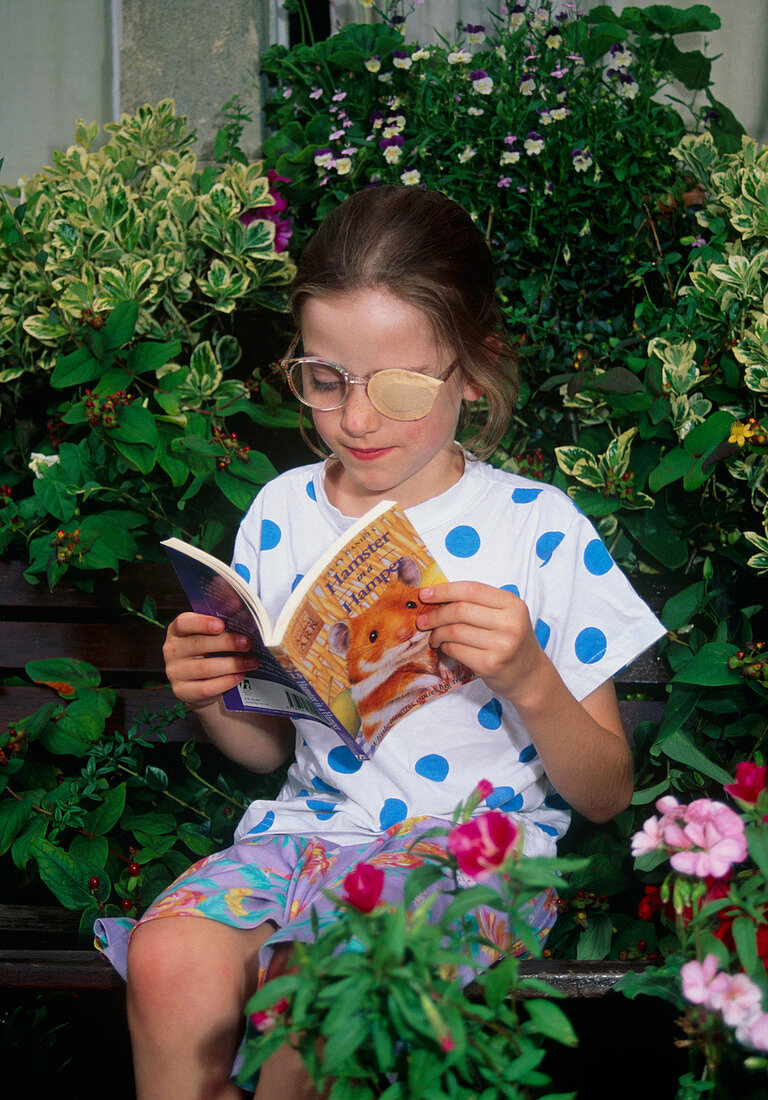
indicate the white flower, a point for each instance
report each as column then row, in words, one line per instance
column 420, row 55
column 511, row 157
column 557, row 114
column 466, row 154
column 622, row 58
column 366, row 3
column 372, row 64
column 39, row 462
column 402, row 62
column 586, row 229
column 392, row 154
column 396, row 122
column 629, row 89
column 544, row 116
column 582, row 159
column 390, row 131
column 324, row 158
column 315, row 93
column 533, row 144
column 527, row 86
column 516, row 20
column 458, row 57
column 483, row 85
column 475, row 111
column 411, row 178
column 501, row 51
column 343, row 166
column 385, row 78
column 554, row 42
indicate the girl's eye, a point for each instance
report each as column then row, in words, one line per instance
column 325, row 383
column 411, row 605
column 373, row 636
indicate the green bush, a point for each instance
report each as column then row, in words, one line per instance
column 121, row 272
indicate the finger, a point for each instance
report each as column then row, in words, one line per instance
column 469, row 637
column 209, row 668
column 480, row 615
column 471, row 591
column 200, row 692
column 189, row 622
column 200, row 645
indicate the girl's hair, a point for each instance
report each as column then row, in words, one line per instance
column 424, row 249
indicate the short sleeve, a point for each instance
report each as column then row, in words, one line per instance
column 590, row 620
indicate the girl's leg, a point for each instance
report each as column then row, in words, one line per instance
column 188, row 981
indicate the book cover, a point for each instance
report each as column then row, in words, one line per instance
column 345, row 650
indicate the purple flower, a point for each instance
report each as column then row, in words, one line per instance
column 283, row 226
column 396, row 139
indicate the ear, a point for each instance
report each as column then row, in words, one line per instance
column 338, row 638
column 471, row 390
column 408, row 571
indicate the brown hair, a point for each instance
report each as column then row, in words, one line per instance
column 423, row 248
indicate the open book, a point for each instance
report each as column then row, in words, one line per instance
column 345, row 649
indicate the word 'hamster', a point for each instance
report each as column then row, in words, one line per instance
column 389, row 660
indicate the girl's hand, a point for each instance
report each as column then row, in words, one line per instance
column 201, row 659
column 487, row 629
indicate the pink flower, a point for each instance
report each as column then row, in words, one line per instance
column 483, row 845
column 750, row 781
column 715, row 837
column 754, row 1032
column 266, row 1020
column 736, row 998
column 484, row 789
column 363, row 887
column 696, row 979
column 649, row 839
column 447, row 1043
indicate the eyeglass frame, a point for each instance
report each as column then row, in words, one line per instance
column 287, row 363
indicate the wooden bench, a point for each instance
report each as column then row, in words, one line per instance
column 39, row 946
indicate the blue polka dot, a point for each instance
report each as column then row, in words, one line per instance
column 504, row 798
column 596, row 558
column 266, row 822
column 525, row 496
column 511, row 588
column 311, row 491
column 270, row 534
column 343, row 760
column 542, row 632
column 555, row 802
column 462, row 542
column 432, row 767
column 326, row 808
column 550, row 830
column 320, row 785
column 299, row 577
column 590, row 645
column 546, row 545
column 489, row 716
column 392, row 813
column 243, row 571
column 527, row 754
column 303, row 794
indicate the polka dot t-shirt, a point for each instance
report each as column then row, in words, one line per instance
column 490, row 526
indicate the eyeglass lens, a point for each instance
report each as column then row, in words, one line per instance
column 398, row 394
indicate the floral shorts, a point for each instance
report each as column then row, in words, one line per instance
column 282, row 879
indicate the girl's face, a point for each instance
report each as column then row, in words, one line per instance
column 406, row 460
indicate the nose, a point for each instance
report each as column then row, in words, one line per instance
column 358, row 416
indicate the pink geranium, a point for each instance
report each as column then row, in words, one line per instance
column 484, row 844
column 750, row 781
column 697, row 977
column 703, row 839
column 363, row 887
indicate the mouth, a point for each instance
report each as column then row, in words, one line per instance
column 367, row 454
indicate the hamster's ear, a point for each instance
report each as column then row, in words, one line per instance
column 338, row 638
column 408, row 571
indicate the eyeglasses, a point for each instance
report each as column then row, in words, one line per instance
column 398, row 394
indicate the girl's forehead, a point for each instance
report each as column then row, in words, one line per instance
column 367, row 319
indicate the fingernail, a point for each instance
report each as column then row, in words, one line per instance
column 426, row 593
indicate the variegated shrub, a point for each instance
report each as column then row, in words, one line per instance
column 126, row 271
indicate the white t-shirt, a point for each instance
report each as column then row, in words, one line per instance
column 490, row 526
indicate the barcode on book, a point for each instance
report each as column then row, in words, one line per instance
column 298, row 702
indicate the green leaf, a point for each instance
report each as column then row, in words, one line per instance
column 680, row 609
column 74, row 369
column 595, row 942
column 152, row 354
column 705, row 436
column 105, row 816
column 757, row 843
column 13, row 817
column 120, row 324
column 679, row 746
column 65, row 876
column 674, row 465
column 709, row 667
column 550, row 1020
column 64, row 674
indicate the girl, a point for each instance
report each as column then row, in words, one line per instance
column 395, row 297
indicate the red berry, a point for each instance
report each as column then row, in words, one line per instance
column 126, row 904
column 134, row 869
column 93, row 883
